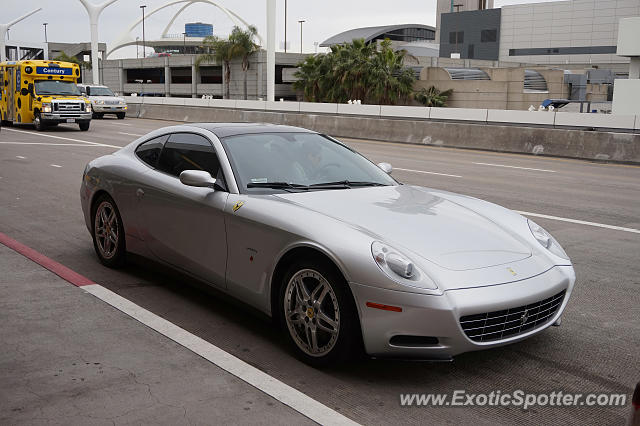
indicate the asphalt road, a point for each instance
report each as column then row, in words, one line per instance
column 597, row 348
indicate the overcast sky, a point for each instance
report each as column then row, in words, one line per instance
column 68, row 21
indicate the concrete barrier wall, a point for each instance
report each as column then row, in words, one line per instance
column 487, row 135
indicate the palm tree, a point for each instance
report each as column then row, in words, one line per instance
column 432, row 97
column 243, row 46
column 222, row 53
column 239, row 44
column 356, row 70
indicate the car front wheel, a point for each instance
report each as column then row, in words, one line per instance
column 318, row 314
column 108, row 232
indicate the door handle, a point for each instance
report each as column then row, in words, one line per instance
column 139, row 193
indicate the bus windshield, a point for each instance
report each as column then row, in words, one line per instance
column 56, row 87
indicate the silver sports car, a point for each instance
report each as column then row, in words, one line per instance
column 310, row 232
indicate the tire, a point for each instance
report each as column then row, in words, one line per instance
column 84, row 126
column 121, row 115
column 37, row 122
column 303, row 314
column 106, row 220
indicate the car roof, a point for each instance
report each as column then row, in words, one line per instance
column 222, row 130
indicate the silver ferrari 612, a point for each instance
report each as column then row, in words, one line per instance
column 310, row 232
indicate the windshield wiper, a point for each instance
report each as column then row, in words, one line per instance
column 346, row 184
column 278, row 185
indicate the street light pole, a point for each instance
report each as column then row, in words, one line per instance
column 45, row 32
column 137, row 47
column 301, row 22
column 144, row 52
column 285, row 26
column 184, row 43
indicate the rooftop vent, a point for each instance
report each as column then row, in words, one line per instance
column 533, row 80
column 467, row 74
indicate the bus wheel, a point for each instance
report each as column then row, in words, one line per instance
column 37, row 122
column 84, row 126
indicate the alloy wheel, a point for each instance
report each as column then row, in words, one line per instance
column 312, row 313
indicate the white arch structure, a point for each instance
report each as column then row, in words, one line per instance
column 126, row 39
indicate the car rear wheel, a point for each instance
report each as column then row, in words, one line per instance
column 120, row 115
column 108, row 232
column 84, row 126
column 318, row 313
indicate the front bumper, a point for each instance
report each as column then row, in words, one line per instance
column 52, row 117
column 109, row 108
column 439, row 315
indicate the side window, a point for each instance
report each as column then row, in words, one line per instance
column 149, row 152
column 188, row 151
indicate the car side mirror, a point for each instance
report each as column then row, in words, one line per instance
column 386, row 167
column 198, row 178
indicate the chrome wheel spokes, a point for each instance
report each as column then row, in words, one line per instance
column 311, row 312
column 106, row 229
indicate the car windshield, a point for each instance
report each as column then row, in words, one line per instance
column 100, row 91
column 56, row 87
column 269, row 162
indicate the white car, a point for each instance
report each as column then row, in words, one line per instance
column 104, row 101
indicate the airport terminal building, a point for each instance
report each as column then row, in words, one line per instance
column 553, row 33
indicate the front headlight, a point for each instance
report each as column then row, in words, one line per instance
column 399, row 268
column 99, row 102
column 546, row 240
column 88, row 105
column 46, row 108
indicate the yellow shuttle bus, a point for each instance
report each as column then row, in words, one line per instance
column 43, row 93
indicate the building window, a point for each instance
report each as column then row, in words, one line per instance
column 147, row 75
column 211, row 75
column 181, row 75
column 456, row 37
column 578, row 50
column 279, row 69
column 488, row 36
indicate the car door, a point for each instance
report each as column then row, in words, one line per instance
column 183, row 225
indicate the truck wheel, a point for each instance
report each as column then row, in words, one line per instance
column 37, row 122
column 84, row 126
column 120, row 115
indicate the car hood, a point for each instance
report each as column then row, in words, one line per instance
column 417, row 219
column 106, row 98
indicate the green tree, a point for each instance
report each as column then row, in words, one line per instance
column 432, row 97
column 243, row 47
column 356, row 70
column 239, row 44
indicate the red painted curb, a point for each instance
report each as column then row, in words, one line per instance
column 42, row 260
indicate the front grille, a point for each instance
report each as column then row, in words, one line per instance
column 68, row 106
column 499, row 325
column 111, row 102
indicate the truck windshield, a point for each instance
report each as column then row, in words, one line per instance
column 100, row 91
column 53, row 87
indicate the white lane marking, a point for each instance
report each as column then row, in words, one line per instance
column 55, row 165
column 130, row 134
column 53, row 144
column 63, row 138
column 515, row 167
column 20, row 157
column 284, row 393
column 580, row 222
column 428, row 173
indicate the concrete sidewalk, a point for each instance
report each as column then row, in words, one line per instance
column 68, row 358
